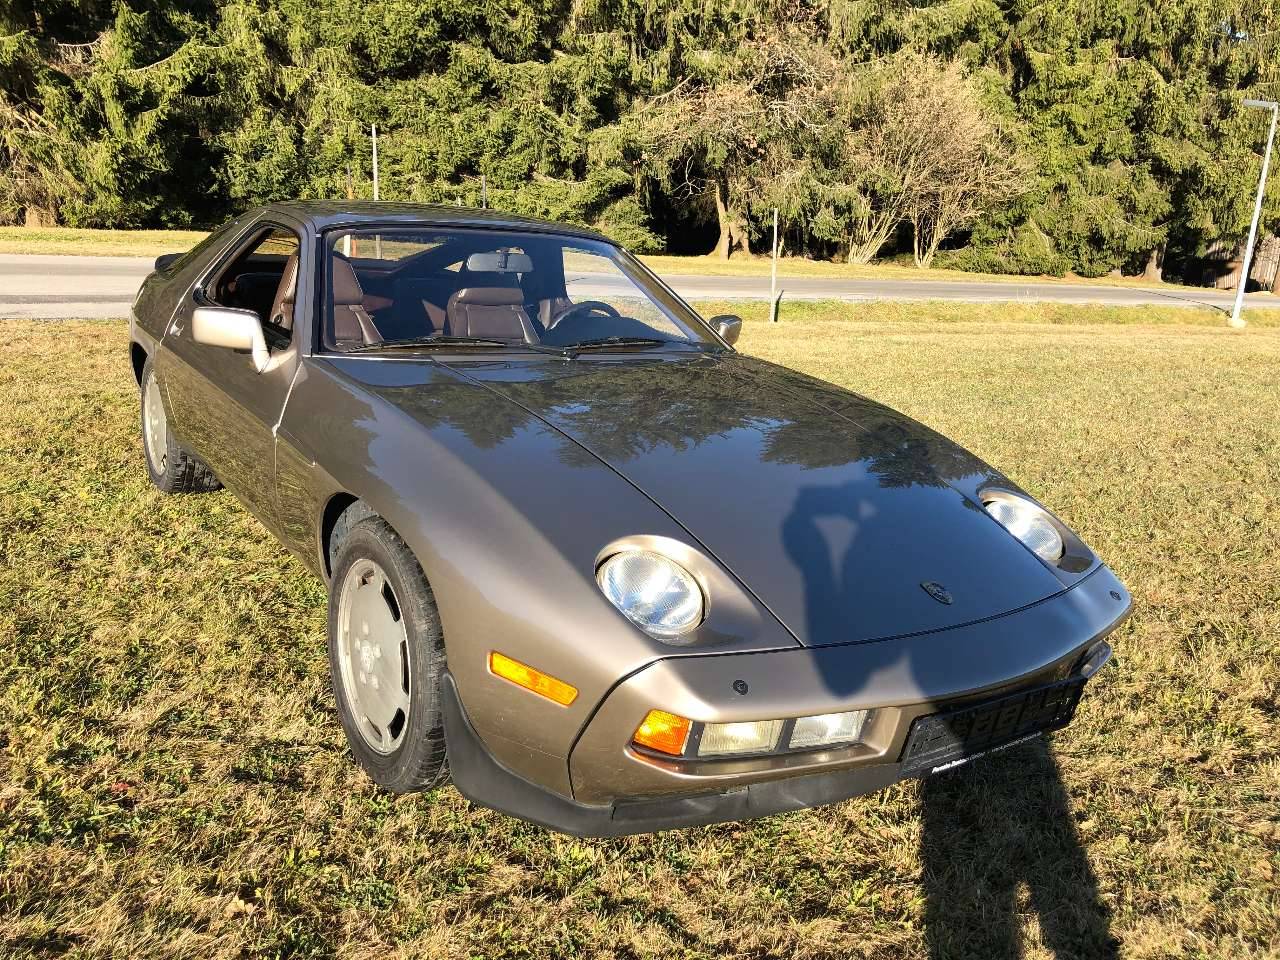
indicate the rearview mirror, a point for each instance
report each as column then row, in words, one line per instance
column 233, row 329
column 499, row 261
column 728, row 326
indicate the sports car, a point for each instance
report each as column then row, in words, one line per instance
column 583, row 558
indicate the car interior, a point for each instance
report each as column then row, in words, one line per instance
column 461, row 285
column 451, row 285
column 263, row 279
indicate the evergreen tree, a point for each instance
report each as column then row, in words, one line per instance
column 647, row 118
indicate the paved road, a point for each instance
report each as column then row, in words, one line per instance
column 56, row 287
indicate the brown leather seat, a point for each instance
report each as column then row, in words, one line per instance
column 252, row 290
column 281, row 314
column 352, row 325
column 420, row 304
column 495, row 312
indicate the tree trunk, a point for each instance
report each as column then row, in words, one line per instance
column 1155, row 266
column 933, row 237
column 722, row 218
column 870, row 235
column 924, row 242
column 733, row 233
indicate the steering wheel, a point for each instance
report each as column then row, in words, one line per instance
column 586, row 306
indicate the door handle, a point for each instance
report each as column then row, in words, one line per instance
column 175, row 328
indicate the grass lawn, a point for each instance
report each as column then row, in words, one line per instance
column 97, row 243
column 760, row 266
column 152, row 243
column 174, row 781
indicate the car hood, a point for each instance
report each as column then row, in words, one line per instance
column 835, row 511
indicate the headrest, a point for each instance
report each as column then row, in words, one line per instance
column 490, row 296
column 346, row 288
column 499, row 261
column 256, row 284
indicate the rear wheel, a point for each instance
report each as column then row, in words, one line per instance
column 386, row 657
column 171, row 468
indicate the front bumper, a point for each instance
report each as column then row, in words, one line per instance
column 618, row 790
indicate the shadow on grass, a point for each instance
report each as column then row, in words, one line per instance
column 1000, row 843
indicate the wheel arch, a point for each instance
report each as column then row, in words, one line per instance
column 342, row 511
column 137, row 360
column 338, row 504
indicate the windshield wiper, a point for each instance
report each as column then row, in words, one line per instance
column 604, row 343
column 448, row 341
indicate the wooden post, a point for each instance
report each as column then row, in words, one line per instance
column 774, row 293
column 373, row 132
column 351, row 193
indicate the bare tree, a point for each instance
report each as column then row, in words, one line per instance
column 738, row 141
column 970, row 167
column 920, row 149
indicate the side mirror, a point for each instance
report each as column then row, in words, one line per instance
column 728, row 326
column 166, row 260
column 233, row 329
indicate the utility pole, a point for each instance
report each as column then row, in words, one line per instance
column 484, row 193
column 1274, row 107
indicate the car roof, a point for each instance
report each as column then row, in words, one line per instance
column 327, row 214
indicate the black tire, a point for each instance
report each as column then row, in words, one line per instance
column 418, row 760
column 177, row 469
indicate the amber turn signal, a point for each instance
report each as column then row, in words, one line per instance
column 525, row 676
column 664, row 732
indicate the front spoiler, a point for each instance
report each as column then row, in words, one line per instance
column 484, row 781
column 1053, row 641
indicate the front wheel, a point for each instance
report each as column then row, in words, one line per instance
column 171, row 468
column 386, row 657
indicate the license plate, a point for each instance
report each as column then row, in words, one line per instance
column 944, row 740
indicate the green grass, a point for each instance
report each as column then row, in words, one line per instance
column 152, row 243
column 807, row 315
column 98, row 243
column 174, row 782
column 760, row 266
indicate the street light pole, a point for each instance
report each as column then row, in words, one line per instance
column 1274, row 107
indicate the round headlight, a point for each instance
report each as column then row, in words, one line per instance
column 658, row 595
column 1028, row 523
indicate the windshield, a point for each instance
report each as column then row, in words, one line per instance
column 434, row 288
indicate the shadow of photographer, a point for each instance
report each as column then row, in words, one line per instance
column 999, row 845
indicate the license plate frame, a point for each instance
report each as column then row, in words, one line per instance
column 939, row 741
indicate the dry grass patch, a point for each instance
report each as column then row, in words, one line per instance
column 174, row 783
column 97, row 243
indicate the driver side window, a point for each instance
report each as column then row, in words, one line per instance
column 263, row 278
column 592, row 278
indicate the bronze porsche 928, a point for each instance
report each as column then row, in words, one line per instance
column 584, row 558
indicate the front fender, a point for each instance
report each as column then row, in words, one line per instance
column 507, row 516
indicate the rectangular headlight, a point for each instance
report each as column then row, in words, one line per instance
column 827, row 728
column 730, row 739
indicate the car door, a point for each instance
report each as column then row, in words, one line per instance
column 220, row 406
